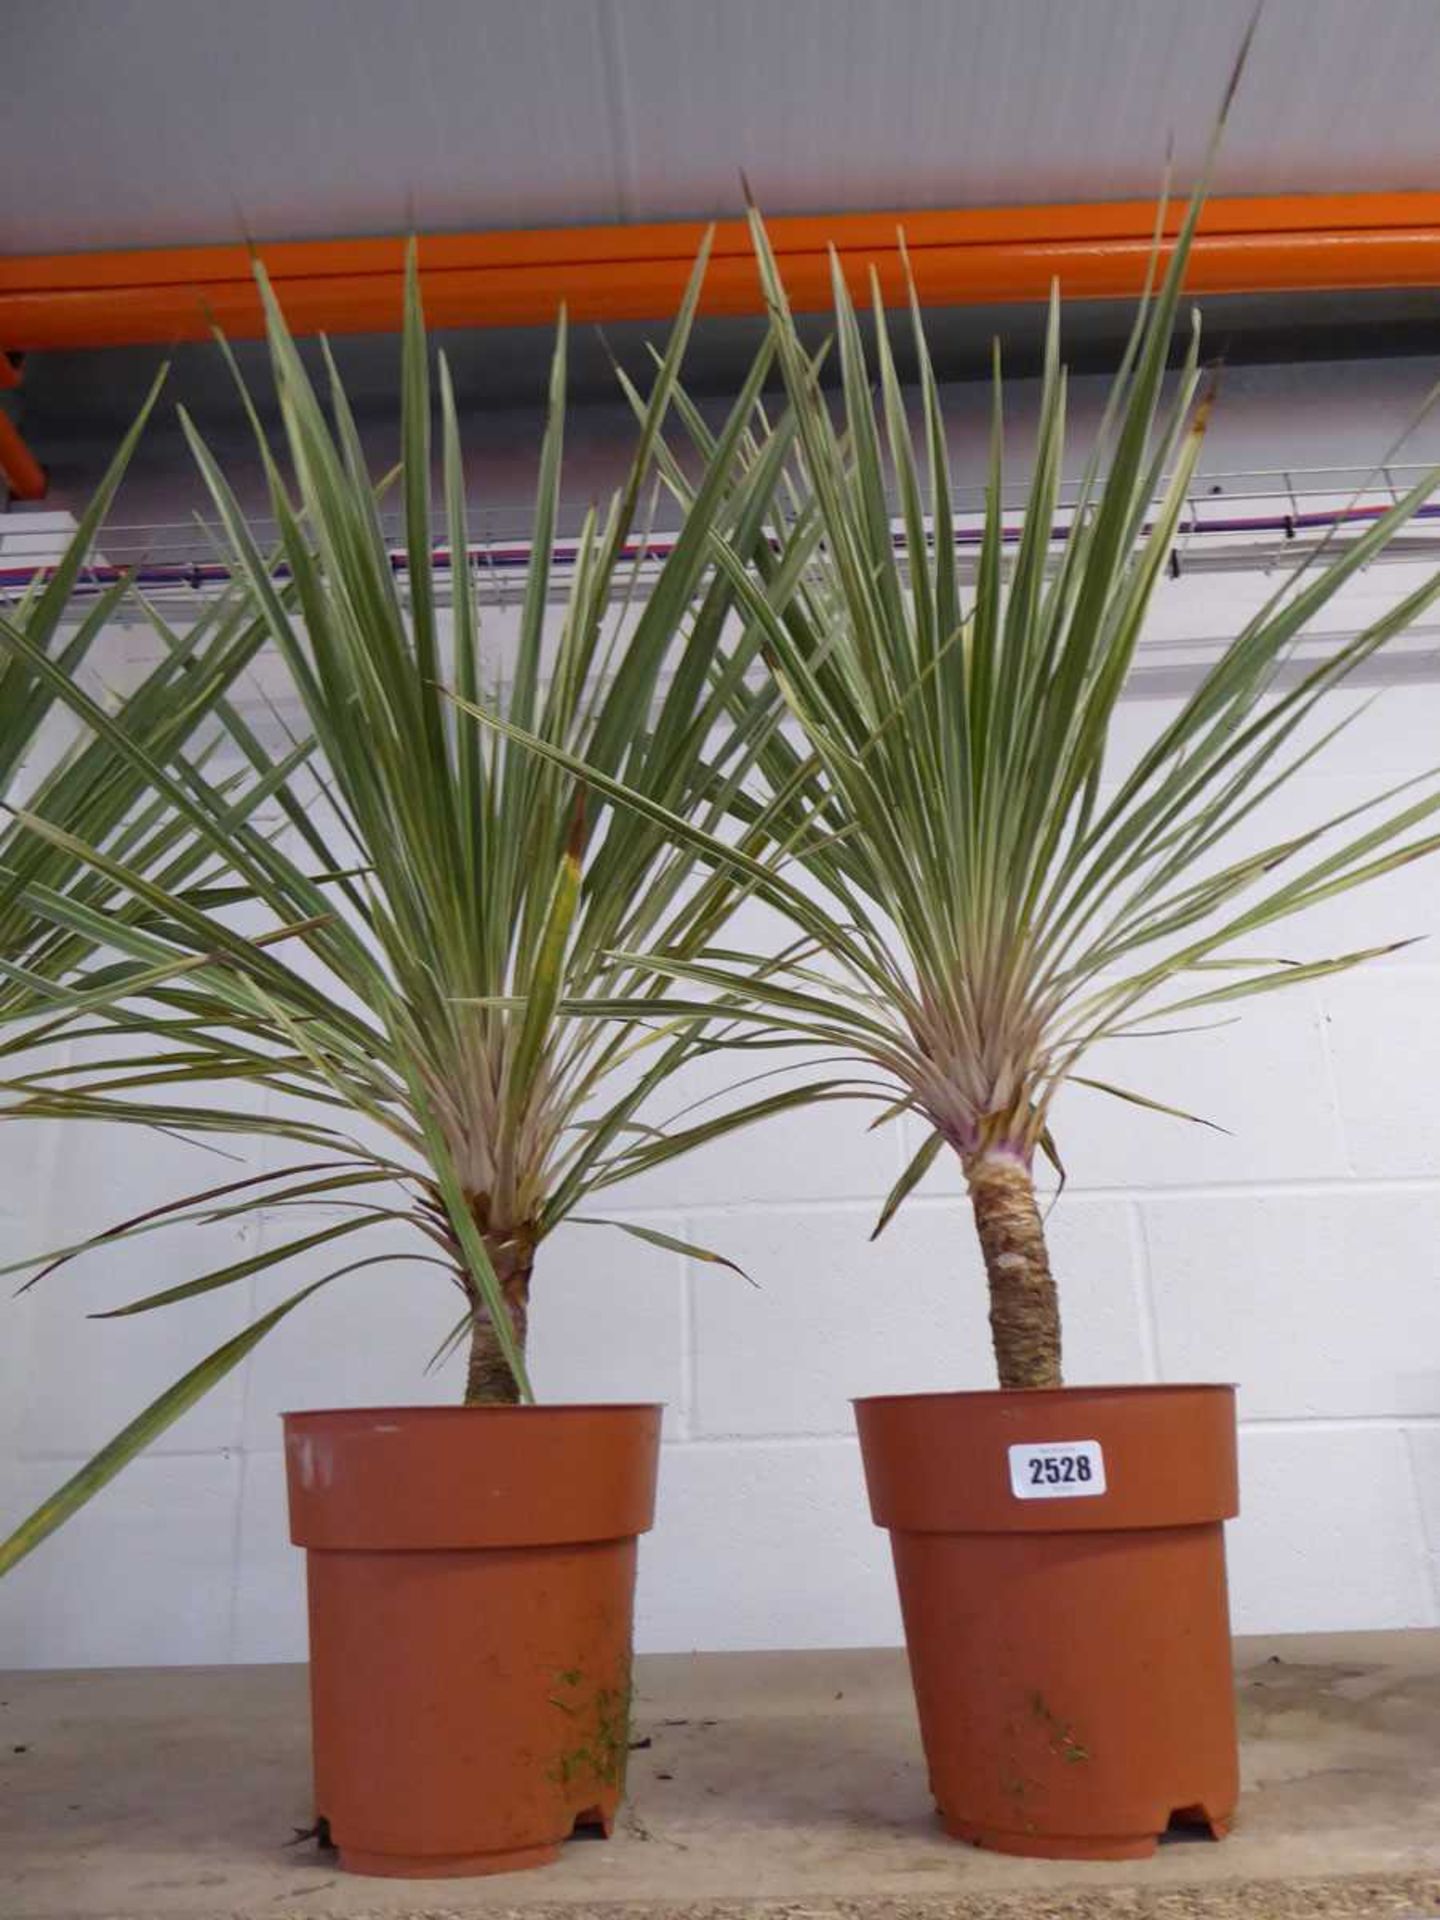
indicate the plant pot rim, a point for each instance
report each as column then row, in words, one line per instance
column 377, row 1478
column 449, row 1412
column 1032, row 1394
column 946, row 1462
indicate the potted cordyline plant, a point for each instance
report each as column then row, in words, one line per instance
column 443, row 908
column 984, row 901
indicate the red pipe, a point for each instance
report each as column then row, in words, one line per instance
column 22, row 472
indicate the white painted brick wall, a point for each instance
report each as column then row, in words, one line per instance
column 1298, row 1255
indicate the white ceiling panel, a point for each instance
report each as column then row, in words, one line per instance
column 969, row 102
column 132, row 122
column 166, row 122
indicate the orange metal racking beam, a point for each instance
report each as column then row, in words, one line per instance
column 972, row 257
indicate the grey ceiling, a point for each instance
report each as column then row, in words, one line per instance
column 133, row 122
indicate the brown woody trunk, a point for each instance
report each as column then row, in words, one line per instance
column 1024, row 1309
column 488, row 1380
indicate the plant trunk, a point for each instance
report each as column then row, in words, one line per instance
column 1024, row 1309
column 489, row 1381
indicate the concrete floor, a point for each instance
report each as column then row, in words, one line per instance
column 784, row 1784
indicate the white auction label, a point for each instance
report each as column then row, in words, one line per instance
column 1057, row 1470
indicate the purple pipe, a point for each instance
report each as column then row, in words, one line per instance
column 214, row 572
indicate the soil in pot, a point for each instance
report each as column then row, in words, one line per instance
column 1061, row 1563
column 471, row 1580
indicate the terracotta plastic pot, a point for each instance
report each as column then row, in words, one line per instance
column 472, row 1577
column 1061, row 1563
